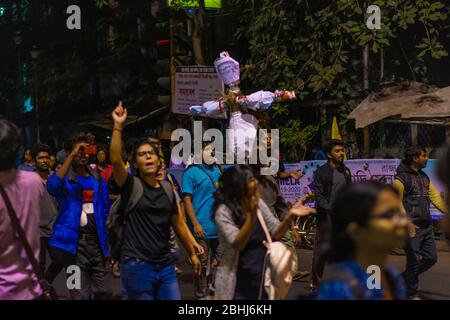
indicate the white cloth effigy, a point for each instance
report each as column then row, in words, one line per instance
column 243, row 127
column 257, row 101
column 242, row 135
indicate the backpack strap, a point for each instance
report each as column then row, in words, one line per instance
column 208, row 174
column 167, row 187
column 126, row 204
column 17, row 227
column 136, row 194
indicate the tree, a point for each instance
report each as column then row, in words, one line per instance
column 315, row 47
column 198, row 18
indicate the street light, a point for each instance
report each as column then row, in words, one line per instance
column 34, row 53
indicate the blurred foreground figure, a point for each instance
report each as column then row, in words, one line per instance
column 367, row 224
column 24, row 190
column 244, row 222
column 444, row 175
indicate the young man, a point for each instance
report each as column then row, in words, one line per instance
column 417, row 192
column 49, row 206
column 79, row 233
column 198, row 188
column 24, row 189
column 328, row 179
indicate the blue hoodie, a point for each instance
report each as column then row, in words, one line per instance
column 68, row 193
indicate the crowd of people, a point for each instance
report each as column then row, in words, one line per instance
column 109, row 210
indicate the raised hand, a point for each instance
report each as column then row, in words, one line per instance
column 300, row 210
column 119, row 114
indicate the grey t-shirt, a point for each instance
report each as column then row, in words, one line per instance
column 49, row 211
column 338, row 182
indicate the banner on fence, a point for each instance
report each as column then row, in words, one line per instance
column 362, row 170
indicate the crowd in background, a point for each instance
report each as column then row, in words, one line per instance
column 117, row 210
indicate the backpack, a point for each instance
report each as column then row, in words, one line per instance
column 120, row 210
column 278, row 268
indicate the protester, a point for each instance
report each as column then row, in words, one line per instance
column 271, row 195
column 328, row 180
column 417, row 192
column 18, row 280
column 148, row 272
column 282, row 173
column 176, row 162
column 79, row 233
column 49, row 205
column 198, row 188
column 164, row 175
column 28, row 163
column 103, row 165
column 241, row 235
column 90, row 138
column 61, row 155
column 52, row 163
column 367, row 224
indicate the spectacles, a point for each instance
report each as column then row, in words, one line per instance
column 389, row 215
column 144, row 153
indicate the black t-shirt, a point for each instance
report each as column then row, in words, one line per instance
column 250, row 266
column 147, row 230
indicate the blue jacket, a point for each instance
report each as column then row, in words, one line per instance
column 338, row 287
column 68, row 193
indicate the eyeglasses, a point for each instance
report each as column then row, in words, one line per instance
column 389, row 215
column 144, row 153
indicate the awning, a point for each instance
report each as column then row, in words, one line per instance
column 413, row 101
column 105, row 121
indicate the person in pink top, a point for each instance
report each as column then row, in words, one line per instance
column 24, row 189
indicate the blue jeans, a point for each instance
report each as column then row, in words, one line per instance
column 142, row 280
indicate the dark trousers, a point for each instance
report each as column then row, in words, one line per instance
column 43, row 253
column 421, row 255
column 201, row 282
column 321, row 247
column 95, row 279
column 60, row 259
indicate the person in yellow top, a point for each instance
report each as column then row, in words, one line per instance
column 443, row 172
column 417, row 193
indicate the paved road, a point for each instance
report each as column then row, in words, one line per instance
column 434, row 284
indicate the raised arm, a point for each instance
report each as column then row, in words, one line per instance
column 119, row 116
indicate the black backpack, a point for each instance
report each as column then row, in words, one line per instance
column 120, row 210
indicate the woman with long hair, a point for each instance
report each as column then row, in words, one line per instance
column 27, row 162
column 241, row 235
column 103, row 165
column 367, row 224
column 148, row 270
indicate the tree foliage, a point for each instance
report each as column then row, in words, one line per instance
column 315, row 47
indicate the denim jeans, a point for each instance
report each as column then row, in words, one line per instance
column 142, row 280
